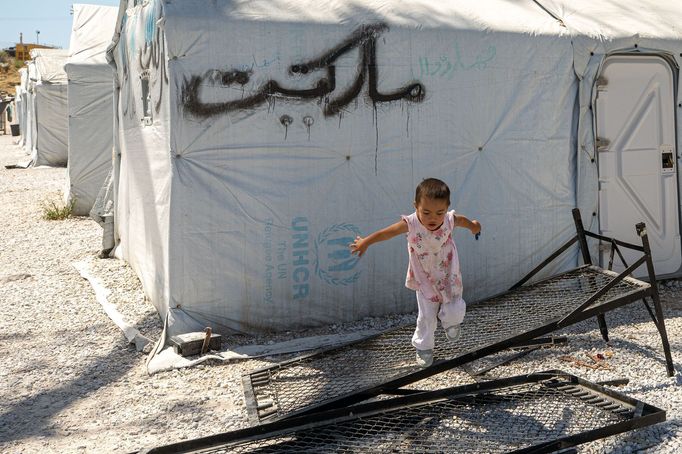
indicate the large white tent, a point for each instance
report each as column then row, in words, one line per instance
column 256, row 139
column 90, row 104
column 48, row 114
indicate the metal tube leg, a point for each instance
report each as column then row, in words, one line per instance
column 587, row 259
column 660, row 323
column 602, row 327
column 582, row 239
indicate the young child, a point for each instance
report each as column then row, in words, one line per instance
column 433, row 270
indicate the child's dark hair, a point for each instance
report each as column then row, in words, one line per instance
column 432, row 188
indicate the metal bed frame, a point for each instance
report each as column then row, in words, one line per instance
column 535, row 413
column 345, row 375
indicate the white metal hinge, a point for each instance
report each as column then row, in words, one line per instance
column 602, row 144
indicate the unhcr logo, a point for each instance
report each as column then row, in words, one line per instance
column 334, row 263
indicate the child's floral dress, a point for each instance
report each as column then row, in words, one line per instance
column 434, row 265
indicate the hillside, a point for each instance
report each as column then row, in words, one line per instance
column 9, row 76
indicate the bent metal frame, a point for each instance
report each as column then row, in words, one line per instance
column 344, row 375
column 535, row 413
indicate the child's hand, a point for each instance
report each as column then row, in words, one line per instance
column 358, row 246
column 475, row 227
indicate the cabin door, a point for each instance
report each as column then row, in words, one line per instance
column 637, row 156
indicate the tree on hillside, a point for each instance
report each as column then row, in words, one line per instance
column 5, row 60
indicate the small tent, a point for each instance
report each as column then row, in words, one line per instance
column 256, row 139
column 6, row 108
column 19, row 103
column 49, row 145
column 90, row 104
column 28, row 99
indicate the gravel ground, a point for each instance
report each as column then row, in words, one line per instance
column 71, row 383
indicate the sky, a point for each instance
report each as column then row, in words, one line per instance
column 51, row 17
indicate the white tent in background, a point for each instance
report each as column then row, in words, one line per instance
column 49, row 137
column 21, row 100
column 90, row 104
column 28, row 117
column 256, row 139
column 19, row 105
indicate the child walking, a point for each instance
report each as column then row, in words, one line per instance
column 433, row 270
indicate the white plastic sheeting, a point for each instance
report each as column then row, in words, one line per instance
column 90, row 104
column 166, row 358
column 270, row 133
column 102, row 295
column 48, row 117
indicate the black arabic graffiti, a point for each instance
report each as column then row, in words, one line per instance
column 363, row 38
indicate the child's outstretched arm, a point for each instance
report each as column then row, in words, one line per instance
column 360, row 244
column 473, row 225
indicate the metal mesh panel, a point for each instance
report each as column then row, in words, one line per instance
column 294, row 385
column 517, row 416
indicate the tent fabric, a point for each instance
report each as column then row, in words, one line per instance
column 50, row 65
column 599, row 29
column 50, row 148
column 90, row 104
column 608, row 21
column 21, row 98
column 47, row 138
column 30, row 106
column 23, row 77
column 19, row 101
column 24, row 94
column 244, row 172
column 91, row 33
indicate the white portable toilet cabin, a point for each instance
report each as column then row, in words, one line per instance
column 255, row 140
column 49, row 145
column 90, row 104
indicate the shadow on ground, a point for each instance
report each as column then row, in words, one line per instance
column 34, row 415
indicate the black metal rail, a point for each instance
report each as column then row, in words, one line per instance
column 536, row 413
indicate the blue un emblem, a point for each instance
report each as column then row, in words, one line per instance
column 334, row 263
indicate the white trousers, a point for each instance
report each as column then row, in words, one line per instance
column 450, row 314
